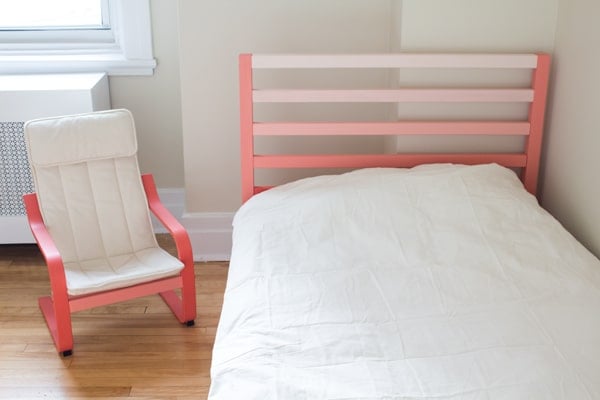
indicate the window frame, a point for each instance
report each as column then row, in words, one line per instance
column 124, row 49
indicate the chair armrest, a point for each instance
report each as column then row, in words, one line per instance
column 45, row 243
column 177, row 231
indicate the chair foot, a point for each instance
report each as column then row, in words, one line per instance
column 190, row 323
column 59, row 327
column 175, row 303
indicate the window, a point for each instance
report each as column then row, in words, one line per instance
column 61, row 14
column 41, row 36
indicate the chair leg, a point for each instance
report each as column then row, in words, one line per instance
column 188, row 295
column 58, row 319
column 184, row 308
column 178, row 307
column 174, row 303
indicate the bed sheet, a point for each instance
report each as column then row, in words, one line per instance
column 436, row 282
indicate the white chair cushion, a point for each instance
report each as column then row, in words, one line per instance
column 102, row 274
column 93, row 202
column 59, row 140
column 95, row 209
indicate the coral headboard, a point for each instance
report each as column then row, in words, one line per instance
column 531, row 127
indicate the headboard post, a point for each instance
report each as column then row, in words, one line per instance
column 539, row 83
column 246, row 126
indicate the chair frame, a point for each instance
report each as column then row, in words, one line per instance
column 58, row 307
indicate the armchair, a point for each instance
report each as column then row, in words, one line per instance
column 90, row 218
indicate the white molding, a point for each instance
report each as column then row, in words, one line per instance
column 210, row 233
column 15, row 229
column 132, row 28
column 174, row 200
column 111, row 63
column 129, row 54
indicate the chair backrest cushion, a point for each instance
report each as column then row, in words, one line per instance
column 88, row 184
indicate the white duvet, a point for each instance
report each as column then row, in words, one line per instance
column 437, row 282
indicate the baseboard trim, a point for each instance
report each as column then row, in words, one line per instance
column 174, row 200
column 210, row 233
column 15, row 229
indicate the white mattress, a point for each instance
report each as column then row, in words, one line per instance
column 439, row 282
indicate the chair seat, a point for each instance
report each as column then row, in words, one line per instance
column 101, row 274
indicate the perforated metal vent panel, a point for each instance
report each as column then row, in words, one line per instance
column 15, row 176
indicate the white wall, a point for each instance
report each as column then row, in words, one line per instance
column 155, row 101
column 478, row 25
column 570, row 180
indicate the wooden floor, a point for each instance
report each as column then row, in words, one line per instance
column 132, row 350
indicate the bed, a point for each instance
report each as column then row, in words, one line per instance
column 412, row 276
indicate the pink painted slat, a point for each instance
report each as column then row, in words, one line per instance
column 246, row 120
column 384, row 160
column 533, row 147
column 128, row 293
column 392, row 128
column 392, row 95
column 405, row 60
column 258, row 189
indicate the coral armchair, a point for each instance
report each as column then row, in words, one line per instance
column 90, row 217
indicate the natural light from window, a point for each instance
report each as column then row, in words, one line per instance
column 44, row 14
column 62, row 36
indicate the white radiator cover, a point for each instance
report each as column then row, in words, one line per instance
column 25, row 97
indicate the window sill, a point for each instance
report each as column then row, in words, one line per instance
column 110, row 62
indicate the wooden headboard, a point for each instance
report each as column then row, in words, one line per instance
column 532, row 127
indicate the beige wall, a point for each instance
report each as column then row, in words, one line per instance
column 155, row 101
column 478, row 25
column 212, row 34
column 571, row 185
column 471, row 26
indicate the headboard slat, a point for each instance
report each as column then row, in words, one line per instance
column 384, row 160
column 405, row 60
column 394, row 96
column 391, row 128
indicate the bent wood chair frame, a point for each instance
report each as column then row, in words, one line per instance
column 57, row 307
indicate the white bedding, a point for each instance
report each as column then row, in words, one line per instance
column 438, row 282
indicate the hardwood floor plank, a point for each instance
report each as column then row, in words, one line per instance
column 53, row 392
column 192, row 392
column 70, row 382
